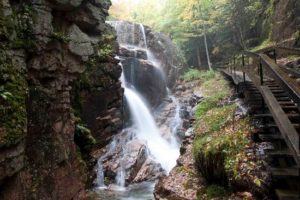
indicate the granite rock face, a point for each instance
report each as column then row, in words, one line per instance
column 150, row 60
column 54, row 63
column 287, row 25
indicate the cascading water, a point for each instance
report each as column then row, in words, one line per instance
column 162, row 151
column 144, row 35
column 143, row 128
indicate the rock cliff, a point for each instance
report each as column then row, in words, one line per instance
column 150, row 59
column 57, row 77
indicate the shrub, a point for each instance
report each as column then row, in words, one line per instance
column 214, row 191
column 194, row 74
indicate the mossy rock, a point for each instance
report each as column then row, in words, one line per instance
column 84, row 140
column 13, row 93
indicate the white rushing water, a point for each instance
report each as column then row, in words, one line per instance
column 163, row 152
column 100, row 173
column 143, row 125
column 144, row 36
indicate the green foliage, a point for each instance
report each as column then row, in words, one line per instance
column 266, row 43
column 229, row 24
column 59, row 36
column 191, row 74
column 206, row 105
column 13, row 91
column 216, row 118
column 214, row 191
column 194, row 74
column 84, row 139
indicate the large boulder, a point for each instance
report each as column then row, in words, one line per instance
column 80, row 44
column 132, row 158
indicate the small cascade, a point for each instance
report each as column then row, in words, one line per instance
column 100, row 175
column 99, row 182
column 144, row 36
column 177, row 121
column 120, row 178
column 162, row 151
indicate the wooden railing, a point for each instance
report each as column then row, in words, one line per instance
column 259, row 67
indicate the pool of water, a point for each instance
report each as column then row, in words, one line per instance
column 142, row 191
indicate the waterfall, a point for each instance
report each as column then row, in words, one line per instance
column 163, row 152
column 143, row 126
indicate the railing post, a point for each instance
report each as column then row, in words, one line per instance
column 234, row 62
column 275, row 55
column 261, row 73
column 243, row 63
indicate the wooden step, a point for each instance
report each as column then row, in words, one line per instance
column 297, row 126
column 289, row 115
column 279, row 153
column 287, row 194
column 284, row 107
column 259, row 98
column 283, row 103
column 257, row 94
column 285, row 172
column 270, row 137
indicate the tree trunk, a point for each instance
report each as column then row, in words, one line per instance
column 207, row 53
column 198, row 57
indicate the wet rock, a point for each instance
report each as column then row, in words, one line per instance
column 150, row 170
column 80, row 44
column 89, row 18
column 132, row 52
column 134, row 157
column 146, row 78
column 159, row 44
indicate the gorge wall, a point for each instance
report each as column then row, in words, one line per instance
column 58, row 76
column 150, row 59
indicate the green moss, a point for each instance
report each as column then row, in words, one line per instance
column 59, row 36
column 84, row 140
column 104, row 49
column 214, row 191
column 13, row 92
column 265, row 44
column 207, row 104
column 23, row 25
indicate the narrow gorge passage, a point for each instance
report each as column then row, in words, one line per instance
column 149, row 99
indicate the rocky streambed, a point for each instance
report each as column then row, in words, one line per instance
column 141, row 170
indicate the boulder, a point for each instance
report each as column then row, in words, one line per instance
column 150, row 170
column 80, row 44
column 146, row 78
column 89, row 18
column 132, row 157
column 132, row 52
